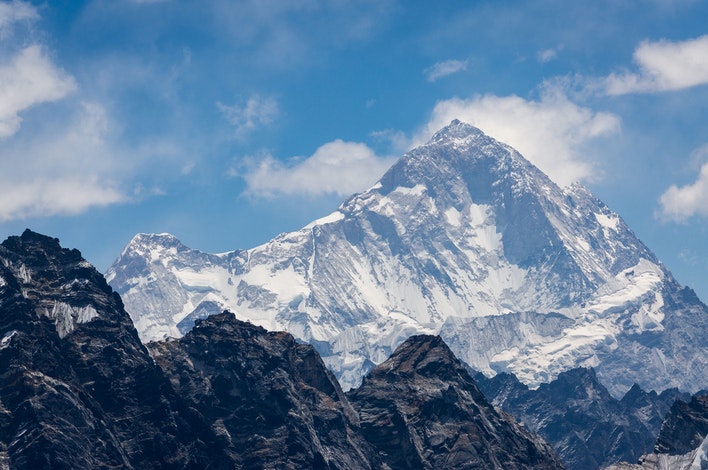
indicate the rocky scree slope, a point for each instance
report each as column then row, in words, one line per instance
column 464, row 238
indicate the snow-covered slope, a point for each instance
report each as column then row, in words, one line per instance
column 464, row 238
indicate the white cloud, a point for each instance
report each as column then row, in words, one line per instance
column 680, row 203
column 247, row 117
column 29, row 79
column 663, row 66
column 60, row 195
column 67, row 169
column 551, row 132
column 445, row 68
column 546, row 55
column 337, row 167
column 14, row 12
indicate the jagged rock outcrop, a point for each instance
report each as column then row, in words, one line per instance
column 683, row 441
column 271, row 400
column 685, row 427
column 77, row 387
column 575, row 413
column 421, row 409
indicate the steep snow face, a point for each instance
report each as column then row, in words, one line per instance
column 462, row 237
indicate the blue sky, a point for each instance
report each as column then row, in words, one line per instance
column 228, row 122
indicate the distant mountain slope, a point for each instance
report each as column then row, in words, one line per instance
column 587, row 426
column 464, row 238
column 682, row 442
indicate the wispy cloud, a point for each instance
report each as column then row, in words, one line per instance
column 550, row 132
column 13, row 12
column 547, row 55
column 443, row 69
column 64, row 173
column 663, row 66
column 248, row 116
column 74, row 167
column 337, row 167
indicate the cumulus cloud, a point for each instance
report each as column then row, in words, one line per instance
column 337, row 167
column 443, row 69
column 29, row 79
column 551, row 132
column 247, row 116
column 679, row 203
column 663, row 66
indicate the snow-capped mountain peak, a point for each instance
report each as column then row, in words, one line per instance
column 462, row 237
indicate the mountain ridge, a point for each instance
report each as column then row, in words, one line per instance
column 80, row 391
column 464, row 238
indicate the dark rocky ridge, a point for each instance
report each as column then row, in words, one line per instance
column 682, row 442
column 575, row 413
column 83, row 392
column 79, row 390
column 271, row 400
column 685, row 427
column 421, row 409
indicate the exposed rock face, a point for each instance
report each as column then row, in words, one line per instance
column 685, row 427
column 77, row 387
column 421, row 409
column 271, row 400
column 683, row 441
column 464, row 238
column 586, row 425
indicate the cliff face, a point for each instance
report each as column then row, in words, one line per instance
column 685, row 427
column 272, row 401
column 421, row 409
column 77, row 387
column 682, row 442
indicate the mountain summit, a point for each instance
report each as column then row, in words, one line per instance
column 464, row 238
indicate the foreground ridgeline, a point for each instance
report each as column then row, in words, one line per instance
column 79, row 390
column 271, row 400
column 77, row 387
column 421, row 409
column 462, row 238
